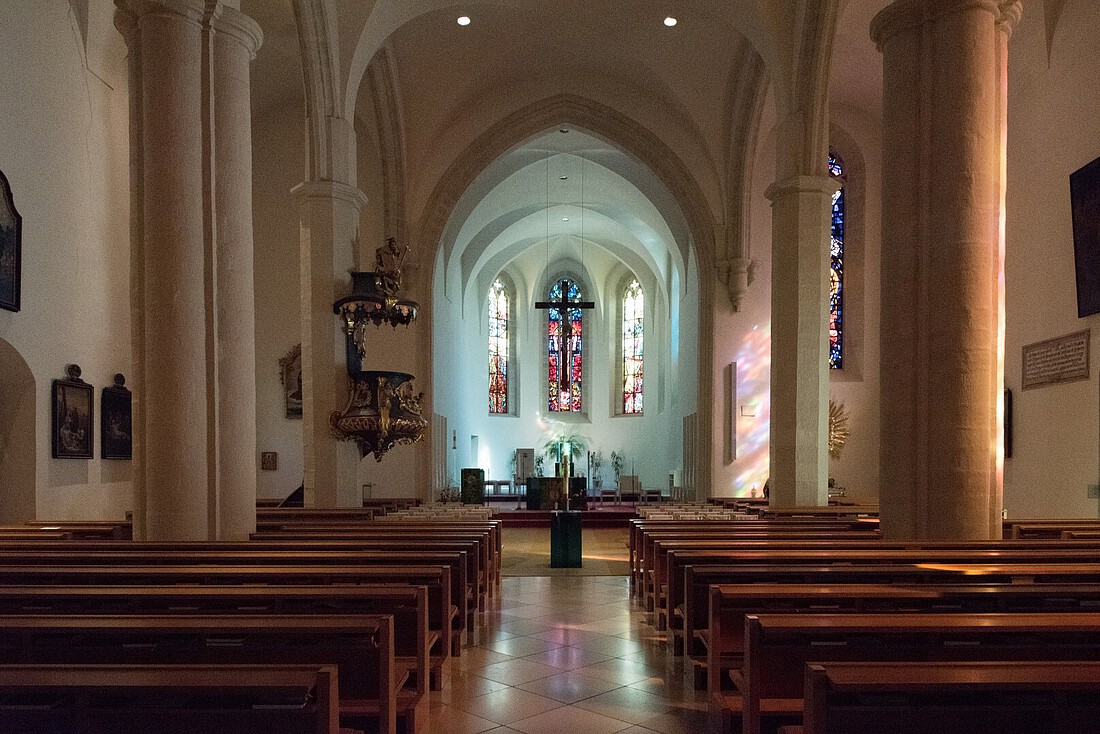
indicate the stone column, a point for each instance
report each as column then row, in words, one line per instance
column 942, row 262
column 235, row 40
column 799, row 455
column 329, row 221
column 191, row 268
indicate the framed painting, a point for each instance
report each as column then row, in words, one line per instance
column 11, row 247
column 116, row 422
column 290, row 373
column 73, row 407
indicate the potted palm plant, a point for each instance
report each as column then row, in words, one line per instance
column 562, row 447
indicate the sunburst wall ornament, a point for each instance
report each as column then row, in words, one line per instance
column 838, row 428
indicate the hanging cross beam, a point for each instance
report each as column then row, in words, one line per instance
column 563, row 306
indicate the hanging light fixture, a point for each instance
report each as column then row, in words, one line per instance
column 382, row 410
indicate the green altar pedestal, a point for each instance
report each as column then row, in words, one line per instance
column 548, row 493
column 565, row 539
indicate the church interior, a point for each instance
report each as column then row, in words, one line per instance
column 784, row 286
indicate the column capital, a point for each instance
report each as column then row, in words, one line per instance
column 1011, row 10
column 902, row 15
column 222, row 18
column 310, row 191
column 820, row 184
column 232, row 22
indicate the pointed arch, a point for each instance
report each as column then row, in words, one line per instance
column 698, row 251
column 596, row 118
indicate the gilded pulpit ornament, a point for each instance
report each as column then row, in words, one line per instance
column 382, row 410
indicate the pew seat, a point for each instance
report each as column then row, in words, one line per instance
column 360, row 646
column 169, row 699
column 933, row 697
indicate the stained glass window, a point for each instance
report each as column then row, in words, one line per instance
column 836, row 267
column 498, row 348
column 565, row 353
column 633, row 328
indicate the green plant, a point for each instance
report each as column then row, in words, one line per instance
column 617, row 464
column 595, row 462
column 558, row 446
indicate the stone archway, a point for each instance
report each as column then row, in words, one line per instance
column 633, row 139
column 17, row 437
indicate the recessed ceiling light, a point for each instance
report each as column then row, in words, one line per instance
column 464, row 20
column 563, row 178
column 565, row 219
column 670, row 21
column 563, row 131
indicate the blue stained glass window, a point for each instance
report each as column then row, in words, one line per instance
column 633, row 330
column 565, row 394
column 836, row 267
column 498, row 348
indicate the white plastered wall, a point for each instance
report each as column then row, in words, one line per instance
column 65, row 151
column 1053, row 129
column 277, row 168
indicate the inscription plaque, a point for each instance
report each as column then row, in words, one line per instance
column 1063, row 359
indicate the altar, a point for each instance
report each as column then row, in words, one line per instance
column 548, row 493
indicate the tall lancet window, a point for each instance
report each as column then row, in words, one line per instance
column 836, row 267
column 564, row 350
column 498, row 348
column 633, row 329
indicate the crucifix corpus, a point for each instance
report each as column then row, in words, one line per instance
column 562, row 306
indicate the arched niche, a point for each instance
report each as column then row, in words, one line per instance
column 17, row 437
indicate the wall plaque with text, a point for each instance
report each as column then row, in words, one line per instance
column 1063, row 359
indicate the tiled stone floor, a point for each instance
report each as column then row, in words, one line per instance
column 567, row 655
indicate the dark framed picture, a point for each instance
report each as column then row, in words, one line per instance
column 116, row 421
column 269, row 460
column 73, row 407
column 290, row 374
column 11, row 247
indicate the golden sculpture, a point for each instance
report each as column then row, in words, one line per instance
column 838, row 428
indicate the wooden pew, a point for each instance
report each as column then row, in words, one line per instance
column 128, row 551
column 441, row 612
column 412, row 527
column 929, row 698
column 1038, row 528
column 655, row 571
column 817, row 511
column 378, row 533
column 89, row 529
column 670, row 577
column 458, row 561
column 730, row 604
column 638, row 528
column 685, row 599
column 169, row 699
column 778, row 647
column 649, row 538
column 361, row 647
column 413, row 640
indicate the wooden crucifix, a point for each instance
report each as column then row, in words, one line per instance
column 563, row 306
